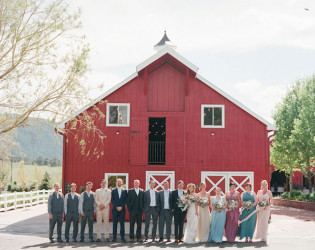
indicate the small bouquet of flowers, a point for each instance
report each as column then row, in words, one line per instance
column 263, row 203
column 203, row 202
column 185, row 201
column 232, row 204
column 218, row 206
column 248, row 205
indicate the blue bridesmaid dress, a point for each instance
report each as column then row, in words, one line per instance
column 217, row 223
column 248, row 227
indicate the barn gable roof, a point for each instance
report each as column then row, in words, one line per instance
column 184, row 61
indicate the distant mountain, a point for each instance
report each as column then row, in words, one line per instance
column 39, row 140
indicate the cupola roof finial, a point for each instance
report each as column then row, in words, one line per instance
column 165, row 42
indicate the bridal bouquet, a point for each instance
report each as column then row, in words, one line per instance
column 232, row 204
column 263, row 203
column 185, row 201
column 248, row 205
column 203, row 202
column 218, row 206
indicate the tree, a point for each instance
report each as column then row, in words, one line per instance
column 283, row 153
column 43, row 63
column 22, row 175
column 38, row 174
column 45, row 184
column 303, row 133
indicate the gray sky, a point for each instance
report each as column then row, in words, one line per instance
column 253, row 50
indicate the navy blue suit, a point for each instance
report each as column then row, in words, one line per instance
column 119, row 202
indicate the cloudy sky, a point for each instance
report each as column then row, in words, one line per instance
column 253, row 50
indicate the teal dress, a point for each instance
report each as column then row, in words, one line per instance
column 248, row 227
column 217, row 223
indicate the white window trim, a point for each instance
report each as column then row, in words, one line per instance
column 107, row 114
column 117, row 174
column 212, row 106
column 169, row 175
column 226, row 175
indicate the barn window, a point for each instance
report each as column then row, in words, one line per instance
column 118, row 114
column 212, row 116
column 112, row 177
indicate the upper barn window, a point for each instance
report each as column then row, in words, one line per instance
column 118, row 114
column 212, row 116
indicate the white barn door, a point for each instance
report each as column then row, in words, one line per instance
column 159, row 177
column 223, row 179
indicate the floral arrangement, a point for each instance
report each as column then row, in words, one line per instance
column 218, row 206
column 232, row 204
column 248, row 205
column 203, row 202
column 263, row 203
column 185, row 201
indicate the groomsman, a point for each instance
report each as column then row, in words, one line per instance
column 165, row 211
column 86, row 210
column 72, row 212
column 102, row 200
column 179, row 215
column 135, row 208
column 151, row 210
column 119, row 200
column 56, row 215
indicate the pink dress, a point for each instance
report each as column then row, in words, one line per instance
column 262, row 218
column 232, row 217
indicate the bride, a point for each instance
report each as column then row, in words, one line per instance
column 191, row 230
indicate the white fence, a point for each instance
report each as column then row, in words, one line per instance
column 9, row 201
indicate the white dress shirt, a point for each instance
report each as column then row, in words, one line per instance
column 152, row 198
column 166, row 199
column 180, row 193
column 103, row 191
column 137, row 191
column 119, row 192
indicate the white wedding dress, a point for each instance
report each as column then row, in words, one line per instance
column 191, row 230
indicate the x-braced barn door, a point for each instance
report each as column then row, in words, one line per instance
column 159, row 177
column 138, row 141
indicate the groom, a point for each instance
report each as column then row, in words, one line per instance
column 179, row 215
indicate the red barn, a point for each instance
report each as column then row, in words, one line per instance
column 166, row 122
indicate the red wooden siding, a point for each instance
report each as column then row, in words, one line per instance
column 166, row 89
column 138, row 141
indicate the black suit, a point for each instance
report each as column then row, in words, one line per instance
column 135, row 208
column 119, row 202
column 166, row 215
column 179, row 216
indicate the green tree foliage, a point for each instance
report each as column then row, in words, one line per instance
column 45, row 184
column 303, row 134
column 294, row 147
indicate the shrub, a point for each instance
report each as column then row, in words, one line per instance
column 285, row 195
column 9, row 187
column 294, row 194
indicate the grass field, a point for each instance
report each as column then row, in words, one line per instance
column 55, row 173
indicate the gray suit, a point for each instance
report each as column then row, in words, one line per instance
column 56, row 209
column 165, row 214
column 150, row 211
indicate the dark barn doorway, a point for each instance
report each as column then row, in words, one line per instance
column 157, row 135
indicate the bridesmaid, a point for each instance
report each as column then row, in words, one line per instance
column 232, row 216
column 263, row 215
column 218, row 218
column 204, row 215
column 248, row 226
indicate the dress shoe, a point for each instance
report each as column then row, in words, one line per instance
column 60, row 240
column 114, row 240
column 67, row 240
column 52, row 241
column 139, row 240
column 123, row 240
column 160, row 240
column 153, row 240
column 132, row 240
column 176, row 240
column 107, row 239
column 75, row 240
column 168, row 240
column 98, row 240
column 146, row 239
column 91, row 240
column 181, row 240
column 82, row 240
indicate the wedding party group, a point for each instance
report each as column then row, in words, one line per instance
column 209, row 218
